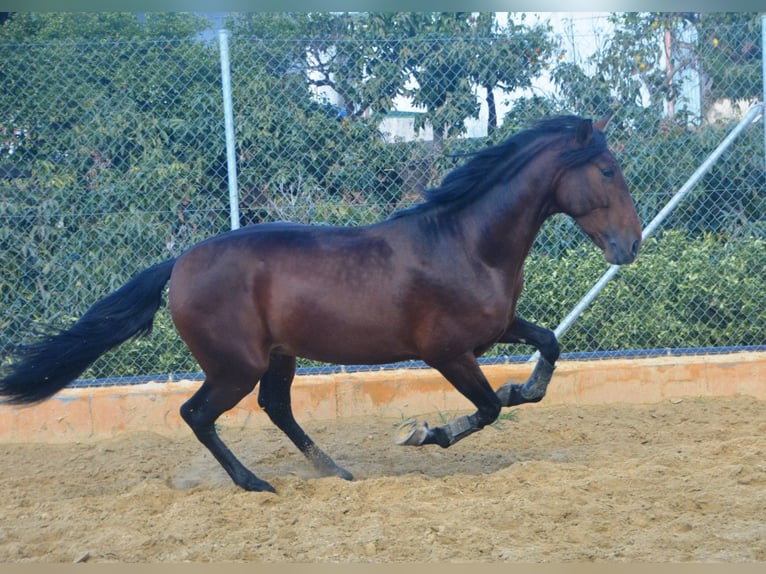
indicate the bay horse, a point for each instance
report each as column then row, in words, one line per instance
column 437, row 282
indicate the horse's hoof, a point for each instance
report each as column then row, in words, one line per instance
column 326, row 466
column 255, row 484
column 411, row 433
column 344, row 474
column 329, row 470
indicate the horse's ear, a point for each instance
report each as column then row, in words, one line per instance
column 601, row 124
column 584, row 132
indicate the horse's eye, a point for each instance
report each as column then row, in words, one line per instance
column 607, row 172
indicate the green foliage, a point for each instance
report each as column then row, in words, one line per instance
column 729, row 197
column 682, row 291
column 90, row 26
column 719, row 51
column 117, row 125
column 732, row 55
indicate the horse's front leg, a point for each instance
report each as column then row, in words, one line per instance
column 544, row 340
column 464, row 373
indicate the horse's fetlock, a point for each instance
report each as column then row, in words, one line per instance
column 488, row 415
column 187, row 413
column 195, row 418
column 551, row 349
column 533, row 393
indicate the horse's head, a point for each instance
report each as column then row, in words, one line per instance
column 592, row 190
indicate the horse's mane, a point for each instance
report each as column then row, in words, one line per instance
column 501, row 162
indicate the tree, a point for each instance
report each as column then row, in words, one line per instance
column 448, row 56
column 507, row 58
column 439, row 60
column 300, row 152
column 111, row 129
column 731, row 56
column 23, row 26
column 644, row 71
column 668, row 58
column 329, row 50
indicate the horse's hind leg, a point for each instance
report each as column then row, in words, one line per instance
column 274, row 398
column 544, row 340
column 200, row 412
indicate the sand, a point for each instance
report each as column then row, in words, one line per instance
column 675, row 481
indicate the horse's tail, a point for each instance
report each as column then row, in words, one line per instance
column 43, row 368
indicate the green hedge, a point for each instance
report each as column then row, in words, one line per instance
column 681, row 292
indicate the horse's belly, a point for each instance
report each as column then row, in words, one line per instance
column 348, row 334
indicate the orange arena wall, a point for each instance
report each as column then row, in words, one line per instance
column 100, row 412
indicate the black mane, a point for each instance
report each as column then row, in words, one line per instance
column 501, row 162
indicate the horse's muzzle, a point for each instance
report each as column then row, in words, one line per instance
column 622, row 252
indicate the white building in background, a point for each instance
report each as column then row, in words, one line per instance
column 400, row 126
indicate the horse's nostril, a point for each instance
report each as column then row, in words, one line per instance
column 634, row 248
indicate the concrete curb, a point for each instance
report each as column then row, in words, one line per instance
column 101, row 412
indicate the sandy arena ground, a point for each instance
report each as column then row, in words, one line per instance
column 676, row 481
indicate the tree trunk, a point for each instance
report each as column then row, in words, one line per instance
column 492, row 117
column 671, row 97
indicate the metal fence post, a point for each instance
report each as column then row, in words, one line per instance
column 228, row 114
column 763, row 80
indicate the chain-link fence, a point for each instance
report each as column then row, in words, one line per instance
column 113, row 157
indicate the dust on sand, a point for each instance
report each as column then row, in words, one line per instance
column 676, row 481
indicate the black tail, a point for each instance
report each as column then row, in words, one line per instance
column 47, row 366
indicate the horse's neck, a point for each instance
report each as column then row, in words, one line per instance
column 510, row 217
